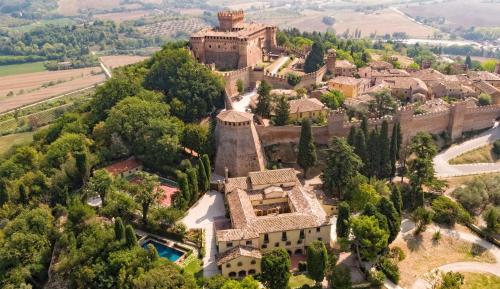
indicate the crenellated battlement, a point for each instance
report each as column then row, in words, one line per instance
column 236, row 72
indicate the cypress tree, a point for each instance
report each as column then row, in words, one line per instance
column 393, row 150
column 317, row 260
column 202, row 177
column 364, row 125
column 119, row 229
column 264, row 100
column 373, row 153
column 208, row 169
column 4, row 195
column 282, row 112
column 384, row 147
column 193, row 184
column 386, row 208
column 130, row 238
column 360, row 148
column 343, row 225
column 307, row 150
column 468, row 62
column 152, row 253
column 315, row 58
column 396, row 199
column 351, row 136
column 23, row 194
column 399, row 140
column 184, row 186
column 83, row 165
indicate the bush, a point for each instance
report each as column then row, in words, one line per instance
column 397, row 253
column 390, row 269
column 484, row 99
column 496, row 147
column 376, row 278
column 302, row 266
column 448, row 212
column 293, row 79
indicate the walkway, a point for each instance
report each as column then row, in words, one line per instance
column 444, row 169
column 276, row 65
column 244, row 103
column 202, row 215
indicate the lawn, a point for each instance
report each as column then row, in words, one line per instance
column 14, row 69
column 297, row 281
column 480, row 281
column 480, row 155
column 194, row 267
column 423, row 255
column 6, row 142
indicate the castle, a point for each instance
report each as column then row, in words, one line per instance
column 234, row 44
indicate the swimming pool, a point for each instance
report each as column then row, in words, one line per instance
column 164, row 251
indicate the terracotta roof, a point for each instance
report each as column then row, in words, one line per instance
column 234, row 116
column 483, row 75
column 305, row 105
column 168, row 195
column 236, row 252
column 271, row 177
column 123, row 166
column 346, row 80
column 406, row 83
column 344, row 64
column 485, row 87
column 380, row 65
column 428, row 74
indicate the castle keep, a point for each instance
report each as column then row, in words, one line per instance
column 234, row 44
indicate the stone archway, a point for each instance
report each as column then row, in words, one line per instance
column 242, row 273
column 298, row 252
column 251, row 272
column 232, row 274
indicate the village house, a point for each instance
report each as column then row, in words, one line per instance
column 349, row 86
column 344, row 68
column 306, row 108
column 234, row 44
column 125, row 168
column 267, row 209
column 407, row 88
column 481, row 86
column 380, row 65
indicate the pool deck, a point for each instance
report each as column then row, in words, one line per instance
column 169, row 243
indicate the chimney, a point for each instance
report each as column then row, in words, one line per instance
column 226, row 174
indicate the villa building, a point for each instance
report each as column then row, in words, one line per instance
column 306, row 108
column 349, row 86
column 234, row 44
column 125, row 168
column 267, row 209
column 344, row 68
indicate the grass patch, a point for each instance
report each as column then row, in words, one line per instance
column 480, row 281
column 194, row 267
column 8, row 141
column 13, row 69
column 297, row 281
column 480, row 155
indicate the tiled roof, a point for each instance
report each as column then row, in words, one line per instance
column 305, row 105
column 344, row 64
column 271, row 177
column 236, row 252
column 123, row 166
column 380, row 65
column 241, row 31
column 487, row 88
column 234, row 116
column 346, row 80
column 406, row 83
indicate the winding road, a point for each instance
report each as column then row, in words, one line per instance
column 443, row 168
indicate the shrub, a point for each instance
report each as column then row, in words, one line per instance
column 302, row 266
column 484, row 99
column 376, row 278
column 397, row 253
column 436, row 236
column 496, row 147
column 448, row 212
column 293, row 79
column 390, row 269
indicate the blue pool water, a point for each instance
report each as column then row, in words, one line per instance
column 164, row 251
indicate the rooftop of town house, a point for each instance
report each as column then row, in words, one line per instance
column 236, row 252
column 344, row 64
column 485, row 87
column 123, row 166
column 389, row 73
column 405, row 83
column 428, row 74
column 305, row 105
column 379, row 65
column 363, row 99
column 347, row 80
column 482, row 75
column 234, row 116
column 301, row 210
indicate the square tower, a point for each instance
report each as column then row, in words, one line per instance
column 229, row 20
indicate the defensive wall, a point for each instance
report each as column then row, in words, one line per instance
column 249, row 77
column 456, row 120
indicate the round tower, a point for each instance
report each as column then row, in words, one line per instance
column 238, row 145
column 331, row 58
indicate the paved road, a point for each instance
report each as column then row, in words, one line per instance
column 202, row 215
column 244, row 102
column 444, row 169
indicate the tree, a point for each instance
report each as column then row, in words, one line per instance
column 146, row 192
column 317, row 260
column 164, row 275
column 333, row 99
column 343, row 217
column 282, row 112
column 369, row 238
column 275, row 266
column 492, row 218
column 383, row 104
column 422, row 217
column 484, row 99
column 360, row 148
column 307, row 150
column 393, row 150
column 448, row 212
column 451, row 280
column 110, row 93
column 203, row 182
column 351, row 136
column 206, row 163
column 193, row 184
column 468, row 62
column 293, row 79
column 384, row 147
column 340, row 278
column 315, row 58
column 184, row 198
column 386, row 208
column 119, row 229
column 361, row 193
column 373, row 153
column 195, row 137
column 100, row 183
column 263, row 108
column 239, row 86
column 342, row 166
column 130, row 237
column 4, row 194
column 396, row 199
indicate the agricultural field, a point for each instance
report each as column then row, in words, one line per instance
column 13, row 69
column 23, row 89
column 126, row 15
column 73, row 7
column 114, row 61
column 8, row 141
column 464, row 13
column 172, row 27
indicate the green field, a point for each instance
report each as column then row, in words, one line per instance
column 14, row 69
column 8, row 141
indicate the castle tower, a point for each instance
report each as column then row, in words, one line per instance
column 230, row 19
column 331, row 59
column 238, row 144
column 497, row 67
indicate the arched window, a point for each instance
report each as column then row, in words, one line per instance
column 251, row 272
column 242, row 273
column 232, row 274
